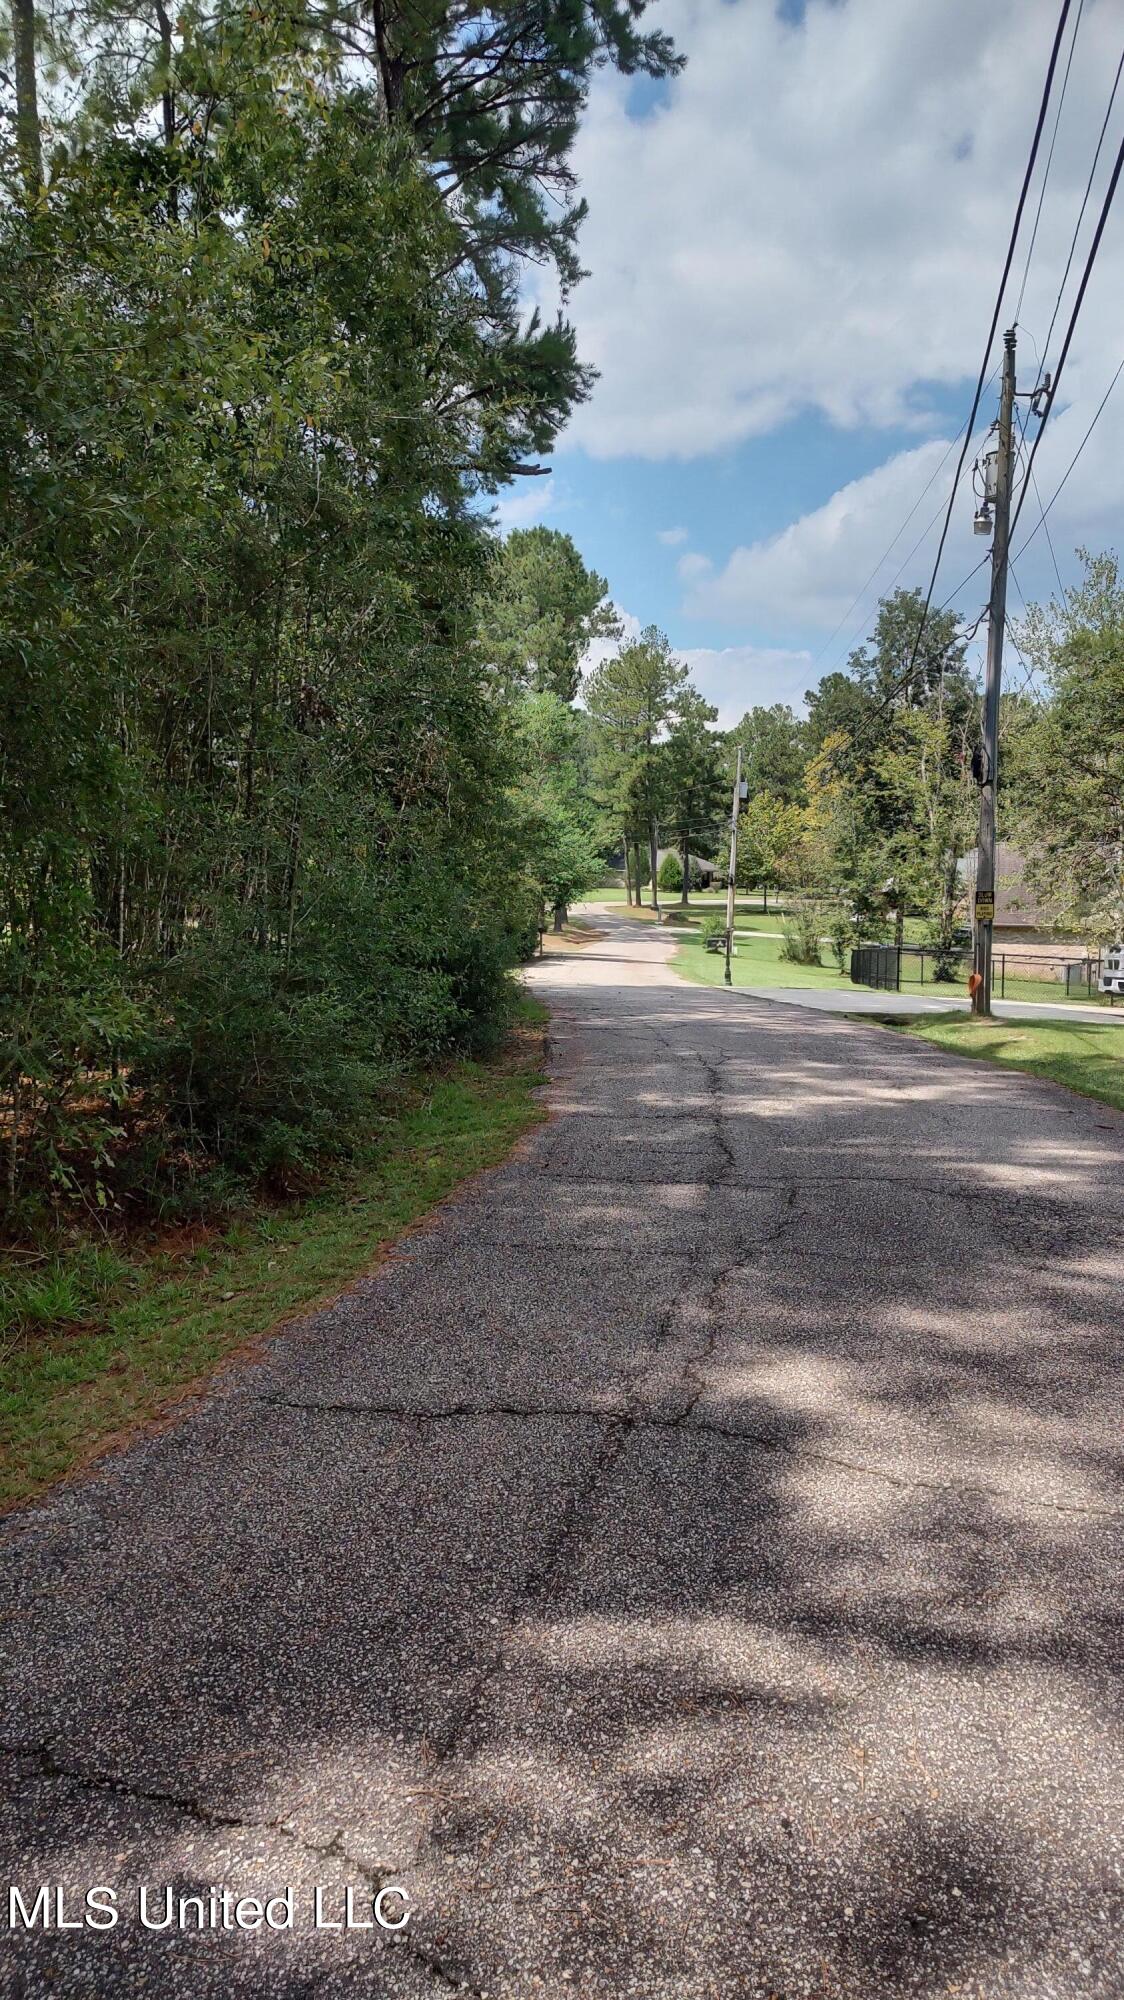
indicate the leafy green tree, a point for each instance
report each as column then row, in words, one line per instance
column 888, row 772
column 771, row 834
column 1069, row 800
column 693, row 781
column 493, row 98
column 555, row 823
column 773, row 746
column 490, row 102
column 882, row 668
column 632, row 697
column 257, row 850
column 842, row 712
column 562, row 856
column 925, row 776
column 540, row 609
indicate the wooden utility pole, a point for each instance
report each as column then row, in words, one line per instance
column 29, row 145
column 984, row 902
column 731, row 885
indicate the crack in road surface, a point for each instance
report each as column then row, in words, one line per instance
column 746, row 1583
column 686, row 1425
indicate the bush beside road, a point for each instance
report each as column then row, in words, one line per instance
column 98, row 1340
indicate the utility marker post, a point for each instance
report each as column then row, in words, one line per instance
column 984, row 901
column 731, row 886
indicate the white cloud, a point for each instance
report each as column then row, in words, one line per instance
column 526, row 504
column 692, row 567
column 732, row 678
column 673, row 537
column 735, row 678
column 817, row 216
column 812, row 571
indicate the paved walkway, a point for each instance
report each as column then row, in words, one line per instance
column 691, row 1567
column 863, row 1000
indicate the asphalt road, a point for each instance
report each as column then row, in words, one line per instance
column 691, row 1567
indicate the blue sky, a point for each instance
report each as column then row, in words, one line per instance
column 793, row 250
column 618, row 509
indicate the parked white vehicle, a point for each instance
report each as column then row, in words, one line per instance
column 1112, row 969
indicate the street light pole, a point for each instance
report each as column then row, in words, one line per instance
column 984, row 902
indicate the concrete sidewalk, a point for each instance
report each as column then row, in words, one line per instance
column 689, row 1568
column 863, row 1000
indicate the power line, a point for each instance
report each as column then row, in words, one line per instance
column 861, row 592
column 1009, row 259
column 1084, row 206
column 1073, row 461
column 1086, row 274
column 1050, row 157
column 1042, row 512
column 908, row 557
column 964, row 581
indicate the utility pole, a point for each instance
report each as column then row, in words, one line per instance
column 984, row 902
column 731, row 885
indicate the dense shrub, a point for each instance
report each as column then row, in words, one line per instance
column 844, row 932
column 800, row 935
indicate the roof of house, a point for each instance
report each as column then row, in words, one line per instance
column 696, row 860
column 1016, row 904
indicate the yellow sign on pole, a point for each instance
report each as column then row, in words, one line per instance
column 985, row 906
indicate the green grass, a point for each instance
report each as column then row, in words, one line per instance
column 758, row 962
column 96, row 1341
column 703, row 903
column 1081, row 1054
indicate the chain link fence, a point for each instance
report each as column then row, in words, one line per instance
column 1015, row 974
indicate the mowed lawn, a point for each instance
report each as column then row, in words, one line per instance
column 757, row 962
column 1081, row 1054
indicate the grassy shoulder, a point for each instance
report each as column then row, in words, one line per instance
column 1080, row 1054
column 96, row 1342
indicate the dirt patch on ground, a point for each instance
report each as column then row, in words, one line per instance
column 574, row 936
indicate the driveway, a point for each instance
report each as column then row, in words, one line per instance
column 691, row 1567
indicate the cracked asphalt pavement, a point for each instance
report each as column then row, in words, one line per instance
column 690, row 1566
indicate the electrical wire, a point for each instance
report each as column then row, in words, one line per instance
column 861, row 592
column 921, row 539
column 1041, row 523
column 1086, row 274
column 1042, row 511
column 1008, row 261
column 964, row 581
column 1050, row 156
column 1084, row 206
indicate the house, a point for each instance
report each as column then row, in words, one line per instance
column 705, row 873
column 1016, row 906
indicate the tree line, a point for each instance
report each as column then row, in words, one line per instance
column 865, row 807
column 297, row 755
column 871, row 800
column 266, row 792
